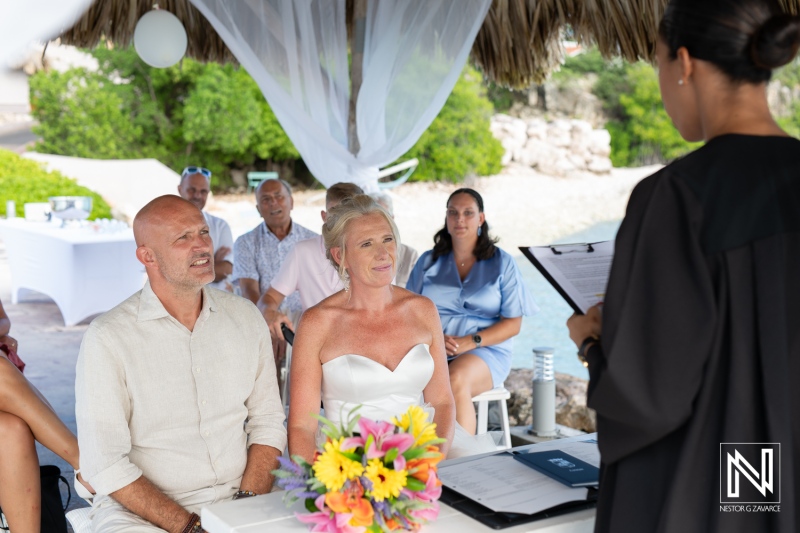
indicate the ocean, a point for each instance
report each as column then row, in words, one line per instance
column 548, row 327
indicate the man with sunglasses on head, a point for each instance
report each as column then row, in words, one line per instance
column 194, row 186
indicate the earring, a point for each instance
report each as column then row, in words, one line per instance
column 480, row 230
column 680, row 82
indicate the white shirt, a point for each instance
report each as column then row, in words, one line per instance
column 259, row 254
column 177, row 406
column 308, row 271
column 221, row 235
column 406, row 259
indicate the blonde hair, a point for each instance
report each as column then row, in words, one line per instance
column 334, row 231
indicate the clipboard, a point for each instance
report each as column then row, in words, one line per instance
column 500, row 520
column 564, row 250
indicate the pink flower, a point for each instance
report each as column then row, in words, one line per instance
column 327, row 521
column 432, row 490
column 428, row 514
column 384, row 438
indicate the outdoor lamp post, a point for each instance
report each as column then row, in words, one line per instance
column 543, row 410
column 160, row 38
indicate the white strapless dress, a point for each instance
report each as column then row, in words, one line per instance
column 351, row 380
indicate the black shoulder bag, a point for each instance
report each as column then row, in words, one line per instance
column 53, row 518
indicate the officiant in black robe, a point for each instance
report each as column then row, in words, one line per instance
column 698, row 341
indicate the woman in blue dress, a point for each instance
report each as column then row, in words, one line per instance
column 481, row 299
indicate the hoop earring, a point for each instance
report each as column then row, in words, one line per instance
column 480, row 230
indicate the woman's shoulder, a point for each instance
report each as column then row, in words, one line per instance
column 325, row 312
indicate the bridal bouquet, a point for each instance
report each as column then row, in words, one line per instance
column 369, row 476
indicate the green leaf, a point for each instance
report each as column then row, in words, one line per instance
column 352, row 456
column 414, row 484
column 415, row 453
column 311, row 506
column 391, row 455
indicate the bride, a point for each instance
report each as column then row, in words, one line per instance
column 372, row 344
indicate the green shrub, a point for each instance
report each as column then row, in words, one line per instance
column 459, row 142
column 25, row 181
column 192, row 113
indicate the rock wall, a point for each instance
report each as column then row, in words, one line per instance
column 558, row 148
column 571, row 410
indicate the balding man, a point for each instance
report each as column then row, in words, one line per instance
column 306, row 270
column 195, row 185
column 259, row 254
column 176, row 395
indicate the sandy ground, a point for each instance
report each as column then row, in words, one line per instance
column 522, row 206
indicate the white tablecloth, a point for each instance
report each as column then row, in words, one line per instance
column 268, row 514
column 83, row 271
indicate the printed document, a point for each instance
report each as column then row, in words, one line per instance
column 579, row 272
column 503, row 484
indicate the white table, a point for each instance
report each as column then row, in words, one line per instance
column 85, row 272
column 268, row 514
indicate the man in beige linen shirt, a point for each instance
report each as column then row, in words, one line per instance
column 176, row 396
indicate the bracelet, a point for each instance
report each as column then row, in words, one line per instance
column 587, row 343
column 243, row 494
column 193, row 525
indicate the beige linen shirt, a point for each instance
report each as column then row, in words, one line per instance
column 177, row 406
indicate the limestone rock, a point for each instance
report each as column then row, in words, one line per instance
column 559, row 148
column 571, row 410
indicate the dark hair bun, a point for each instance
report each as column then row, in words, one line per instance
column 775, row 43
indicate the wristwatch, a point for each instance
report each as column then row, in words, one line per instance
column 587, row 343
column 477, row 340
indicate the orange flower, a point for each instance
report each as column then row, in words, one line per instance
column 421, row 467
column 350, row 501
column 363, row 515
column 392, row 524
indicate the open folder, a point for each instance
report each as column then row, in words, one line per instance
column 500, row 491
column 579, row 272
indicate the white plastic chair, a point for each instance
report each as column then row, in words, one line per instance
column 499, row 394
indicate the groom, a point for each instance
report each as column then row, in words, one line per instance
column 176, row 398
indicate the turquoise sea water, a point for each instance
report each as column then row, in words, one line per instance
column 548, row 327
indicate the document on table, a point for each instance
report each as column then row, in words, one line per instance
column 503, row 484
column 579, row 272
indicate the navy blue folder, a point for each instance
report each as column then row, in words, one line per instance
column 562, row 467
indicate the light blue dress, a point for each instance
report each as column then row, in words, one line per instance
column 494, row 288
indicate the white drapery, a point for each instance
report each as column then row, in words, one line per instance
column 297, row 52
column 22, row 22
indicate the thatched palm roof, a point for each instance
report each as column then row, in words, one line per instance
column 518, row 44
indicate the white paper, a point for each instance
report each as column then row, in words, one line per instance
column 503, row 484
column 581, row 273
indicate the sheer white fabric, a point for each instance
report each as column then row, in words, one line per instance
column 297, row 52
column 34, row 20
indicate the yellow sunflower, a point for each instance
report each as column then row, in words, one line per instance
column 386, row 482
column 333, row 469
column 417, row 419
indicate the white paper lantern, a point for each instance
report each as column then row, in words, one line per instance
column 160, row 39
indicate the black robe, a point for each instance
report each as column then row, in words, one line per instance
column 701, row 339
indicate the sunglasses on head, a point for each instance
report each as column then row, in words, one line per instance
column 188, row 171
